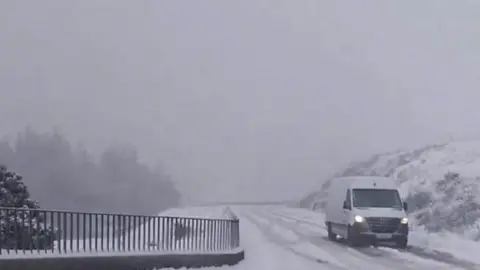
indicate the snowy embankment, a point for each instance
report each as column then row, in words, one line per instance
column 441, row 184
column 201, row 228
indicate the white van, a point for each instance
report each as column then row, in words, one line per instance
column 366, row 210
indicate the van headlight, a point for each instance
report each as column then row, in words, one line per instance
column 359, row 219
column 404, row 220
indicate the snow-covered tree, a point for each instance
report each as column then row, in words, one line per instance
column 19, row 227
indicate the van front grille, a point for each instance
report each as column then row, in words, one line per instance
column 383, row 225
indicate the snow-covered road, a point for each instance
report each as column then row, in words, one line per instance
column 276, row 237
column 293, row 229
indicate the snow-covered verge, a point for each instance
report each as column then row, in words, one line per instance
column 446, row 242
column 218, row 212
column 439, row 182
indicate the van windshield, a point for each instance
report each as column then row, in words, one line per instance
column 385, row 198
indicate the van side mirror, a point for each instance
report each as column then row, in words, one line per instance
column 345, row 205
column 405, row 206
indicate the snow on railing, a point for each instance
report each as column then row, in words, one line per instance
column 40, row 231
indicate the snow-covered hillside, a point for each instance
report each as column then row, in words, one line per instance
column 440, row 183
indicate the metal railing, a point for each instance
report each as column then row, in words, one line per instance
column 47, row 231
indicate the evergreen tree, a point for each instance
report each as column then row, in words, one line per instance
column 19, row 227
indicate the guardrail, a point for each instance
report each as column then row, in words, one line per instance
column 50, row 232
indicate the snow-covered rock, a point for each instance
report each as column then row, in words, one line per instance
column 440, row 183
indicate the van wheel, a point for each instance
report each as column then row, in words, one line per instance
column 402, row 243
column 331, row 235
column 352, row 240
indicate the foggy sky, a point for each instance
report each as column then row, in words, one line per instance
column 242, row 99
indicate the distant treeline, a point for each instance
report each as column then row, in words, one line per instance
column 62, row 177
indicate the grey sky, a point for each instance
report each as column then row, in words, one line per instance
column 242, row 98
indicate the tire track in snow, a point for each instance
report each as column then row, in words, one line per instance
column 311, row 223
column 412, row 250
column 389, row 258
column 264, row 228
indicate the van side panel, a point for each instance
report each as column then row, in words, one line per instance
column 335, row 198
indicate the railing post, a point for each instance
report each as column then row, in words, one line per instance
column 222, row 222
column 159, row 231
column 84, row 232
column 129, row 229
column 192, row 234
column 149, row 228
column 237, row 233
column 134, row 236
column 202, row 233
column 78, row 231
column 198, row 234
column 102, row 229
column 90, row 234
column 17, row 228
column 170, row 239
column 226, row 233
column 71, row 231
column 164, row 234
column 212, row 235
column 215, row 236
column 229, row 240
column 96, row 232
